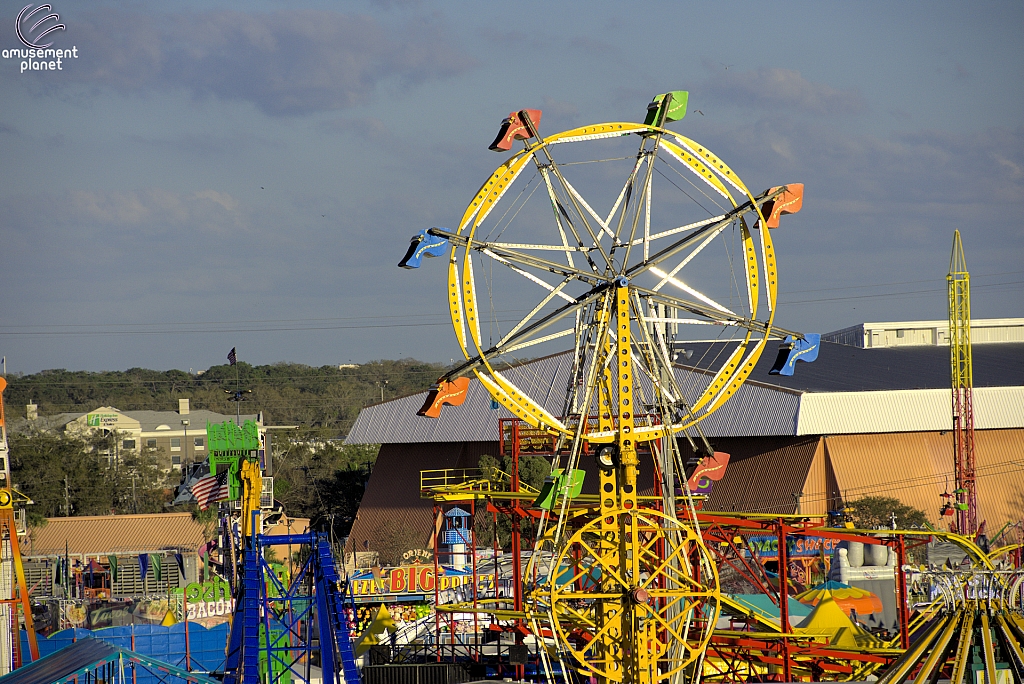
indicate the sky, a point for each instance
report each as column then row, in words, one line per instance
column 209, row 175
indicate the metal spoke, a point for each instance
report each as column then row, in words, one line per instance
column 555, row 206
column 512, row 255
column 680, row 245
column 691, row 291
column 539, row 325
column 533, row 312
column 640, row 159
column 539, row 340
column 689, row 257
column 600, row 221
column 688, row 226
column 558, row 175
column 532, row 278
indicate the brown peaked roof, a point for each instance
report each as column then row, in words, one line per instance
column 109, row 534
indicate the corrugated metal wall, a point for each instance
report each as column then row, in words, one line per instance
column 917, row 467
column 816, row 492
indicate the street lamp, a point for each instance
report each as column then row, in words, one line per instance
column 238, row 395
column 186, row 459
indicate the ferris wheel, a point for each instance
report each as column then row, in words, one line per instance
column 564, row 222
column 618, row 240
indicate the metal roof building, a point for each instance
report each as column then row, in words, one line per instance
column 848, row 389
column 856, row 422
column 900, row 333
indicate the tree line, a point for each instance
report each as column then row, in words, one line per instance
column 324, row 401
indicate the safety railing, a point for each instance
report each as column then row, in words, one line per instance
column 467, row 479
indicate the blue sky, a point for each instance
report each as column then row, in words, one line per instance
column 205, row 177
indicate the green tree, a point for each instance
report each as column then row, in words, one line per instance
column 323, row 481
column 137, row 479
column 61, row 474
column 89, row 475
column 874, row 512
column 532, row 470
column 140, row 485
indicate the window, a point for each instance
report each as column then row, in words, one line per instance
column 151, row 443
column 175, row 443
column 901, row 334
column 128, row 444
column 199, row 443
column 176, row 460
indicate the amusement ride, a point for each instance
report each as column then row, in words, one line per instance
column 640, row 597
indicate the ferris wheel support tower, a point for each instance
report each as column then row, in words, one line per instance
column 959, row 284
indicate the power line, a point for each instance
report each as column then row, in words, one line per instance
column 244, row 326
column 896, row 294
column 135, row 381
column 902, row 282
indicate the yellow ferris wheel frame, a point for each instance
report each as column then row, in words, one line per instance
column 463, row 302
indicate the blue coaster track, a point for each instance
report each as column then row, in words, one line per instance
column 278, row 633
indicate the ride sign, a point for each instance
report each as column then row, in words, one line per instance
column 415, row 580
column 766, row 547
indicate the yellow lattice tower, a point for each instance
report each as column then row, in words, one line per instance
column 11, row 553
column 959, row 284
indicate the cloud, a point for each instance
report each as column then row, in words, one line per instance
column 775, row 89
column 153, row 208
column 559, row 115
column 285, row 63
column 396, row 4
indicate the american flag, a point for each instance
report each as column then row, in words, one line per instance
column 210, row 489
column 232, row 359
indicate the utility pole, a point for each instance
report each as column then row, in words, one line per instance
column 184, row 456
column 67, row 499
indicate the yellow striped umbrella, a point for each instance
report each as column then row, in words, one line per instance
column 846, row 597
